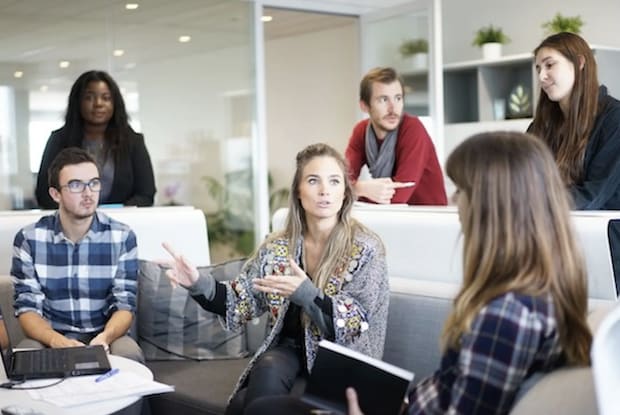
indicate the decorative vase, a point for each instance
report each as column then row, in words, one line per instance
column 419, row 61
column 492, row 50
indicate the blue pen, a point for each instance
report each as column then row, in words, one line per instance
column 107, row 374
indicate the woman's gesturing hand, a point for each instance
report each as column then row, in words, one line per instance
column 182, row 271
column 283, row 285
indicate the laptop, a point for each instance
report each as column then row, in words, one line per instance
column 51, row 363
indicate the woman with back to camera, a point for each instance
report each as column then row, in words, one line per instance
column 97, row 121
column 581, row 124
column 323, row 277
column 521, row 310
column 523, row 304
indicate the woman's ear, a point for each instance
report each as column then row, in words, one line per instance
column 582, row 62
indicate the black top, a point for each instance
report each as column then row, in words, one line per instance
column 134, row 182
column 600, row 189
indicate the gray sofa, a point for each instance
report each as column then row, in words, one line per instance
column 414, row 325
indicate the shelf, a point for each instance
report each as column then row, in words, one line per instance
column 504, row 60
column 474, row 90
column 417, row 101
column 480, row 90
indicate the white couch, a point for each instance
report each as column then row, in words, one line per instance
column 424, row 246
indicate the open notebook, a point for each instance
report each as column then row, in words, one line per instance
column 380, row 386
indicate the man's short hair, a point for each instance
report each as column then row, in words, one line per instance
column 67, row 157
column 383, row 75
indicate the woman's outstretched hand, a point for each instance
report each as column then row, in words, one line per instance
column 283, row 285
column 182, row 271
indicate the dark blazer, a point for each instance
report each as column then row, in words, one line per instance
column 134, row 182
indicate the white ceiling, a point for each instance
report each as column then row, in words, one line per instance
column 36, row 34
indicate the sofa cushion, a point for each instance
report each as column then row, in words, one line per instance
column 172, row 326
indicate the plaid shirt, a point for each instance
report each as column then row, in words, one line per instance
column 75, row 286
column 511, row 338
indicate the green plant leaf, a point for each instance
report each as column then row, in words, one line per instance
column 490, row 34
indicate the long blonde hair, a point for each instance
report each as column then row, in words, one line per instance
column 340, row 241
column 517, row 235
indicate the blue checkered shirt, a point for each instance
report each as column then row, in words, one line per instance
column 75, row 286
column 511, row 338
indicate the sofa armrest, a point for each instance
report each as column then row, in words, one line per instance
column 568, row 391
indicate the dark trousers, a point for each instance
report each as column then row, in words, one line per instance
column 274, row 374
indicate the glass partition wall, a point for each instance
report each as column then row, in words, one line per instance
column 187, row 73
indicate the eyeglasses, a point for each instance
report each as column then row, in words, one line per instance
column 78, row 186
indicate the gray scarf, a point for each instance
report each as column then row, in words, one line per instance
column 380, row 162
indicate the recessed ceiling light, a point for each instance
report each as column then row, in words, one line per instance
column 130, row 65
column 266, row 18
column 18, row 74
column 185, row 38
column 43, row 88
column 118, row 52
column 132, row 6
column 64, row 64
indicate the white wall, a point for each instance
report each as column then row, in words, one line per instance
column 312, row 88
column 521, row 20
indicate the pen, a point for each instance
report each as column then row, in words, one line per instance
column 107, row 374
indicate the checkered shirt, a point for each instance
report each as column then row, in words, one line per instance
column 75, row 286
column 511, row 338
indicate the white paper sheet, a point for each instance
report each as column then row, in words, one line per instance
column 82, row 390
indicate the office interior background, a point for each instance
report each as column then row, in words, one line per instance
column 225, row 99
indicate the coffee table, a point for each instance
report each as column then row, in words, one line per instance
column 22, row 398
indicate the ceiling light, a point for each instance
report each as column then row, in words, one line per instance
column 266, row 18
column 18, row 74
column 43, row 88
column 118, row 52
column 130, row 65
column 185, row 38
column 132, row 6
column 64, row 64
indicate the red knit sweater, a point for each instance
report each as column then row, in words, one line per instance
column 416, row 161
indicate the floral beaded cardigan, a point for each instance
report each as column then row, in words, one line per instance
column 359, row 294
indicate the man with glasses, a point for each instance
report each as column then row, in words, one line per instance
column 75, row 271
column 394, row 145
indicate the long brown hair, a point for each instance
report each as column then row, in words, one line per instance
column 567, row 134
column 517, row 234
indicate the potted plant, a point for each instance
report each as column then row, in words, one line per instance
column 563, row 24
column 415, row 50
column 490, row 39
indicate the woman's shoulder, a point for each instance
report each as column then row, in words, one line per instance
column 134, row 137
column 59, row 134
column 366, row 239
column 522, row 308
column 610, row 106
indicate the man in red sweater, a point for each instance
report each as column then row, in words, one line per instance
column 396, row 147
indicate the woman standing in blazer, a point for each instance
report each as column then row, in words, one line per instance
column 97, row 121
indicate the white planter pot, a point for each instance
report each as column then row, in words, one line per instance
column 491, row 50
column 419, row 61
